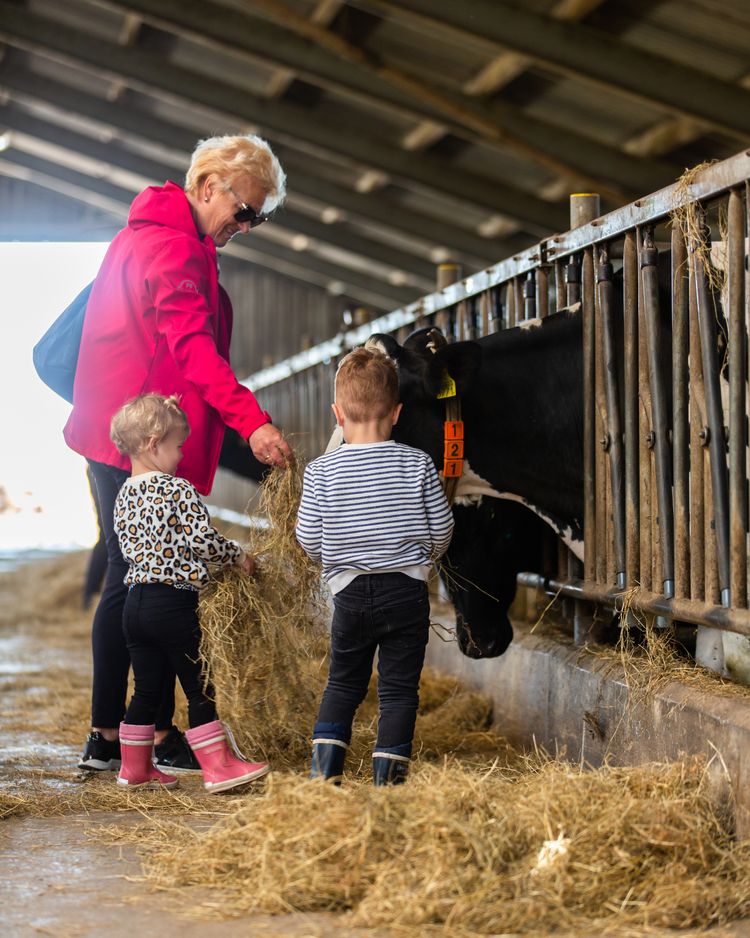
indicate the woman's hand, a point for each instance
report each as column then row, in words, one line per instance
column 247, row 564
column 270, row 447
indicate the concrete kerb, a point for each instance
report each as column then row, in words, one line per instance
column 567, row 700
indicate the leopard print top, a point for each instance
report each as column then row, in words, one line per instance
column 165, row 533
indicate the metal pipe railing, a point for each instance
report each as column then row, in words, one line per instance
column 664, row 510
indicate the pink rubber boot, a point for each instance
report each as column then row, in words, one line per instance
column 137, row 769
column 221, row 768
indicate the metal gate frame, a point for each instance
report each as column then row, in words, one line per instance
column 665, row 488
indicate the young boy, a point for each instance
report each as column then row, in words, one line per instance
column 374, row 512
column 167, row 539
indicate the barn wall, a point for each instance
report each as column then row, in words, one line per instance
column 273, row 318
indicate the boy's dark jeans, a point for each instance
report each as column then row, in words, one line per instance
column 111, row 658
column 161, row 627
column 389, row 612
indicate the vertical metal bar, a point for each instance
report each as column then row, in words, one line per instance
column 632, row 499
column 485, row 313
column 510, row 304
column 448, row 273
column 518, row 299
column 659, row 412
column 462, row 320
column 644, row 441
column 605, row 571
column 737, row 384
column 542, row 293
column 589, row 421
column 697, row 423
column 529, row 296
column 497, row 321
column 604, row 274
column 560, row 294
column 573, row 281
column 717, row 439
column 712, row 588
column 680, row 424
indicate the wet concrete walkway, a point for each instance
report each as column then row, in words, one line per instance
column 56, row 879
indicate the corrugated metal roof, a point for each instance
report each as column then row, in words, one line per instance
column 418, row 132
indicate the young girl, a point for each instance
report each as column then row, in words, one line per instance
column 167, row 538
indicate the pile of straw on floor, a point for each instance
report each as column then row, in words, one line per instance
column 541, row 847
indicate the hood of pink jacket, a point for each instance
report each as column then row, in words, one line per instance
column 164, row 205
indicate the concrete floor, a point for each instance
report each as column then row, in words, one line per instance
column 56, row 880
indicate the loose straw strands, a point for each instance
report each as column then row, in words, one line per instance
column 45, row 793
column 262, row 638
column 532, row 849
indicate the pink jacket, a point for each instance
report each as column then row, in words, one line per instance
column 157, row 320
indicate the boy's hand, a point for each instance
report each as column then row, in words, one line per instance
column 247, row 564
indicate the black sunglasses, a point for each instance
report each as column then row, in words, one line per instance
column 247, row 213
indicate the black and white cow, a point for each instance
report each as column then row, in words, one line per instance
column 521, row 394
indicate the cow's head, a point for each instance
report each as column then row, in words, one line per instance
column 491, row 542
column 423, row 362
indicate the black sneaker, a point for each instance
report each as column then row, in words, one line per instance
column 100, row 754
column 174, row 754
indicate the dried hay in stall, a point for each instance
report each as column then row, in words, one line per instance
column 262, row 639
column 537, row 848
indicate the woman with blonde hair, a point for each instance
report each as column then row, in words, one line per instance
column 158, row 321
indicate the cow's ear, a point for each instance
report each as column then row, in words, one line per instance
column 385, row 344
column 429, row 339
column 461, row 360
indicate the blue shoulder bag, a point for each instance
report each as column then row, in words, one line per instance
column 56, row 353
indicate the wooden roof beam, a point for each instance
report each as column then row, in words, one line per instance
column 586, row 54
column 145, row 70
column 669, row 134
column 384, row 212
column 615, row 174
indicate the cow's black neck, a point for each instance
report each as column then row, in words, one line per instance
column 523, row 415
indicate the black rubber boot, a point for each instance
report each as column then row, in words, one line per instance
column 388, row 768
column 328, row 757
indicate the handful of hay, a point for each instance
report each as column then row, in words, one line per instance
column 262, row 638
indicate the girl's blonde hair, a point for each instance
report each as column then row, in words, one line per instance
column 146, row 416
column 231, row 158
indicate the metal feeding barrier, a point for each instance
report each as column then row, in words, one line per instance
column 665, row 396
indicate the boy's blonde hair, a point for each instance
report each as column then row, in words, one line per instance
column 146, row 416
column 366, row 385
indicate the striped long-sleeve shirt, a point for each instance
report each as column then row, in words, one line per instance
column 373, row 507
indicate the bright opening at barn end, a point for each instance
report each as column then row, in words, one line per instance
column 45, row 503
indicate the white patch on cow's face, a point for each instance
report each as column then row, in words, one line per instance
column 472, row 488
column 530, row 323
column 377, row 345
